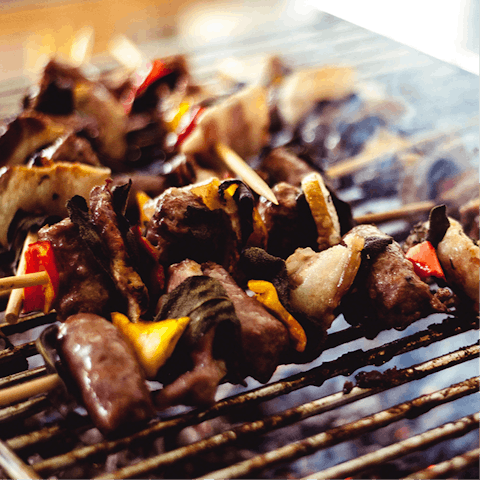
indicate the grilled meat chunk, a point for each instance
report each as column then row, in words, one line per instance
column 184, row 227
column 26, row 134
column 84, row 286
column 289, row 224
column 282, row 165
column 105, row 369
column 43, row 190
column 320, row 280
column 209, row 350
column 387, row 293
column 127, row 280
column 264, row 338
column 197, row 386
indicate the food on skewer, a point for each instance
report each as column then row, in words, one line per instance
column 458, row 254
column 216, row 332
column 104, row 368
column 320, row 279
column 387, row 293
column 43, row 190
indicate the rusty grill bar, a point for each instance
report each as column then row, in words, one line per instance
column 316, row 376
column 375, row 58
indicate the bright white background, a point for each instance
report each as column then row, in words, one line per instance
column 445, row 29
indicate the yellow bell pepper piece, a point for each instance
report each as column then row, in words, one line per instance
column 323, row 211
column 266, row 293
column 153, row 342
column 142, row 199
column 174, row 122
column 208, row 192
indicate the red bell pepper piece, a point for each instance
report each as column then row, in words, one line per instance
column 40, row 257
column 190, row 127
column 157, row 71
column 157, row 273
column 425, row 260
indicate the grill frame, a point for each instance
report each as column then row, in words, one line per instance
column 329, row 39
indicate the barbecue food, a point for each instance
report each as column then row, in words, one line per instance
column 386, row 293
column 240, row 122
column 302, row 90
column 106, row 371
column 289, row 224
column 107, row 223
column 26, row 134
column 209, row 350
column 43, row 190
column 264, row 338
column 320, row 280
column 84, row 287
column 458, row 254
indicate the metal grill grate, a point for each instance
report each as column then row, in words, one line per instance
column 57, row 446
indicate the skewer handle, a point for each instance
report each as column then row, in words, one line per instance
column 396, row 213
column 16, row 296
column 13, row 465
column 29, row 389
column 25, row 280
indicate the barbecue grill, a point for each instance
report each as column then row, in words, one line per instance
column 412, row 411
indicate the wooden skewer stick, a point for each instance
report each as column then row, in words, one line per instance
column 351, row 165
column 245, row 172
column 396, row 213
column 29, row 389
column 14, row 465
column 25, row 280
column 14, row 304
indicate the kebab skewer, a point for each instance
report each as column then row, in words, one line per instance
column 171, row 393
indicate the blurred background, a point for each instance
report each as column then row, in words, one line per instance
column 30, row 30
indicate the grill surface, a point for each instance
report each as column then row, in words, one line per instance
column 295, row 424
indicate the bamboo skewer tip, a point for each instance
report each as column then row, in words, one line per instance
column 245, row 172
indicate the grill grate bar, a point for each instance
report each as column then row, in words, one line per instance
column 296, row 414
column 26, row 375
column 293, row 451
column 24, row 409
column 419, row 442
column 445, row 469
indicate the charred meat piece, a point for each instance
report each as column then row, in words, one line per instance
column 65, row 92
column 84, row 286
column 105, row 369
column 70, row 148
column 282, row 165
column 179, row 272
column 43, row 190
column 197, row 386
column 126, row 278
column 289, row 224
column 209, row 350
column 302, row 90
column 241, row 122
column 387, row 293
column 264, row 338
column 184, row 227
column 25, row 135
column 320, row 280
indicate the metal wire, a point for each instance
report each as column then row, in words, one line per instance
column 302, row 448
column 419, row 442
column 316, row 376
column 452, row 466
